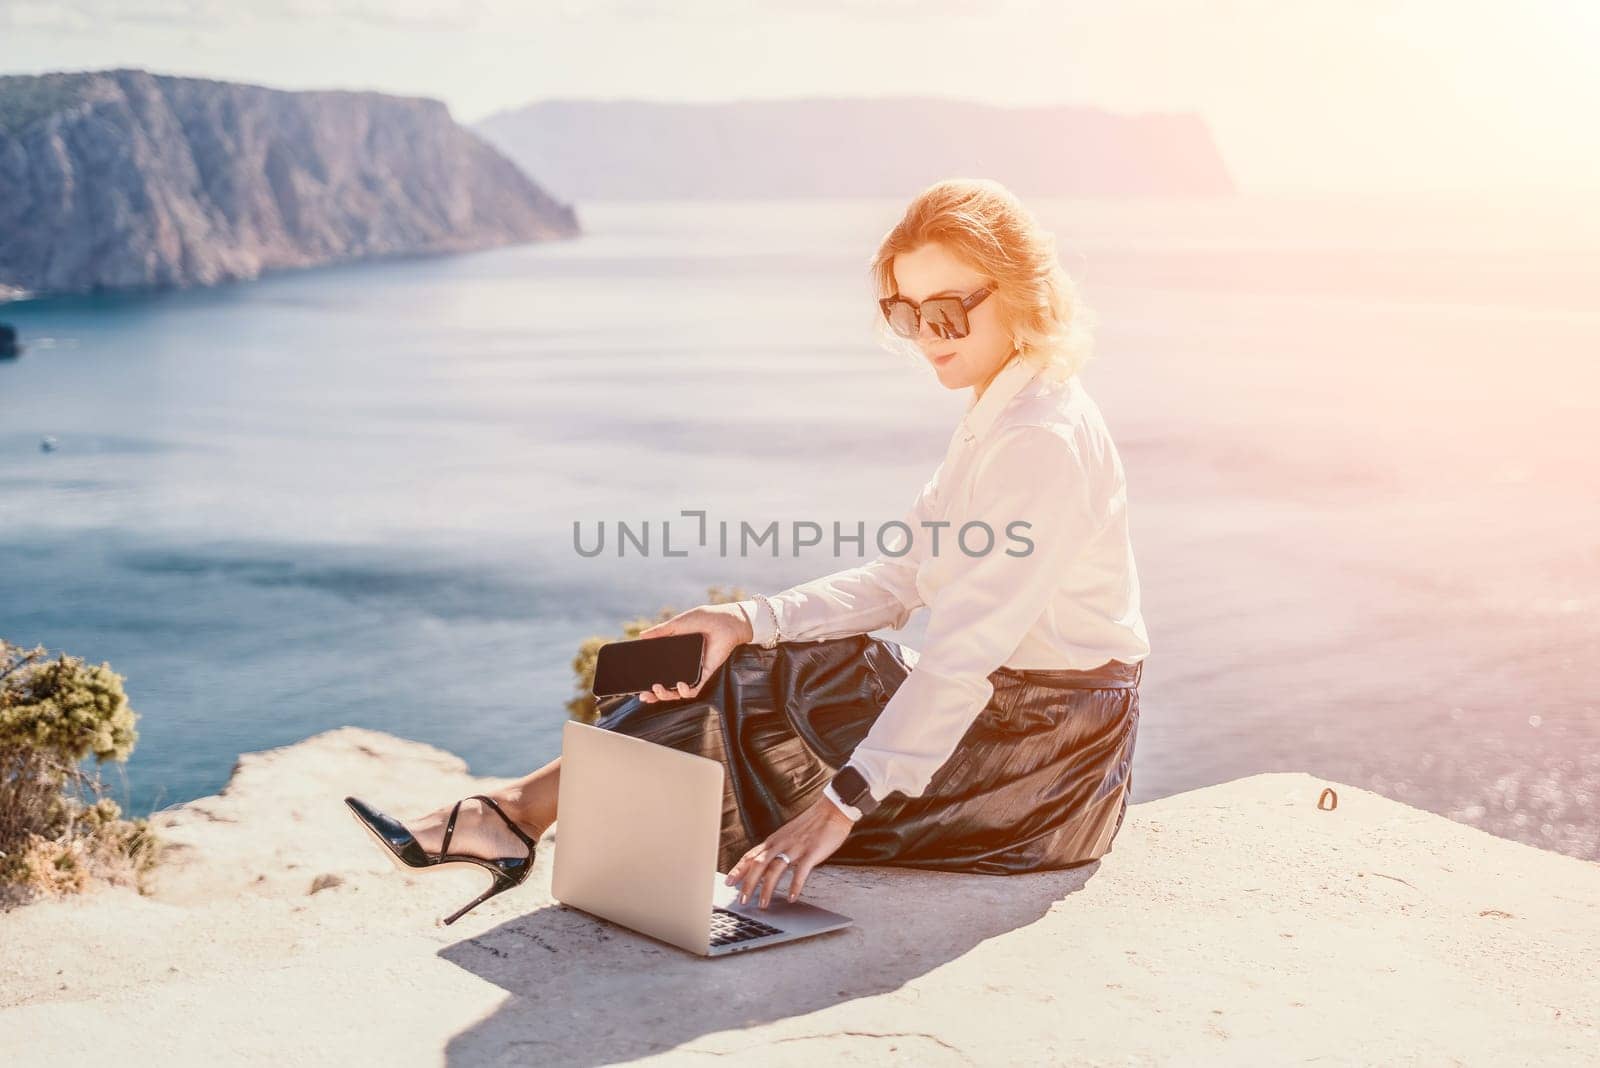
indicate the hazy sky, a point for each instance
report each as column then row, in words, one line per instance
column 1300, row 94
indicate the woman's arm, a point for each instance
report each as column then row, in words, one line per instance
column 984, row 609
column 879, row 593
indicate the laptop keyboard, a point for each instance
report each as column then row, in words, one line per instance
column 728, row 926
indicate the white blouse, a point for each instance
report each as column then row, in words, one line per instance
column 1033, row 448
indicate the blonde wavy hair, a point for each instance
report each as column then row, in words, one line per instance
column 983, row 224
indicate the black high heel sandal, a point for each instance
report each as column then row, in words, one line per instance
column 404, row 851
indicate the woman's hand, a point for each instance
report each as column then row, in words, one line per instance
column 725, row 628
column 808, row 839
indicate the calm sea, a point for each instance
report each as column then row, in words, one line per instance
column 1361, row 438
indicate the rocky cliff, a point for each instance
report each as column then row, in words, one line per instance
column 122, row 179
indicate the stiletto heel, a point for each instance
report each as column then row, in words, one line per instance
column 404, row 851
column 500, row 884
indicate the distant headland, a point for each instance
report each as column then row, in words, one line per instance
column 853, row 147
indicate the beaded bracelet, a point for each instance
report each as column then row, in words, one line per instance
column 777, row 633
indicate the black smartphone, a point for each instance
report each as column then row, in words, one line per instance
column 636, row 666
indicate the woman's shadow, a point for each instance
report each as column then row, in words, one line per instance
column 591, row 992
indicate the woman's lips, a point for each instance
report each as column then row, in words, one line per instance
column 943, row 359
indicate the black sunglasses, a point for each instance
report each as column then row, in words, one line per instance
column 946, row 315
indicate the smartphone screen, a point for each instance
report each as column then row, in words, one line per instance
column 635, row 666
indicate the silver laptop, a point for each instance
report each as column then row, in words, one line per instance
column 637, row 827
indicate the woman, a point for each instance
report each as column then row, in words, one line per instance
column 1006, row 744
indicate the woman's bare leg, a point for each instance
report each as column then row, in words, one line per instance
column 531, row 800
column 480, row 832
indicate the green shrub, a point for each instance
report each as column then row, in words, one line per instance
column 54, row 714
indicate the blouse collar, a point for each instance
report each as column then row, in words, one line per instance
column 1007, row 383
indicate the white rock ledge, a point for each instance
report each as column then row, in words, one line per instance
column 1237, row 923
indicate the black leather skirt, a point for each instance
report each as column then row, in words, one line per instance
column 1039, row 781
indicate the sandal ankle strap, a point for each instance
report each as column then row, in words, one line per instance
column 518, row 831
